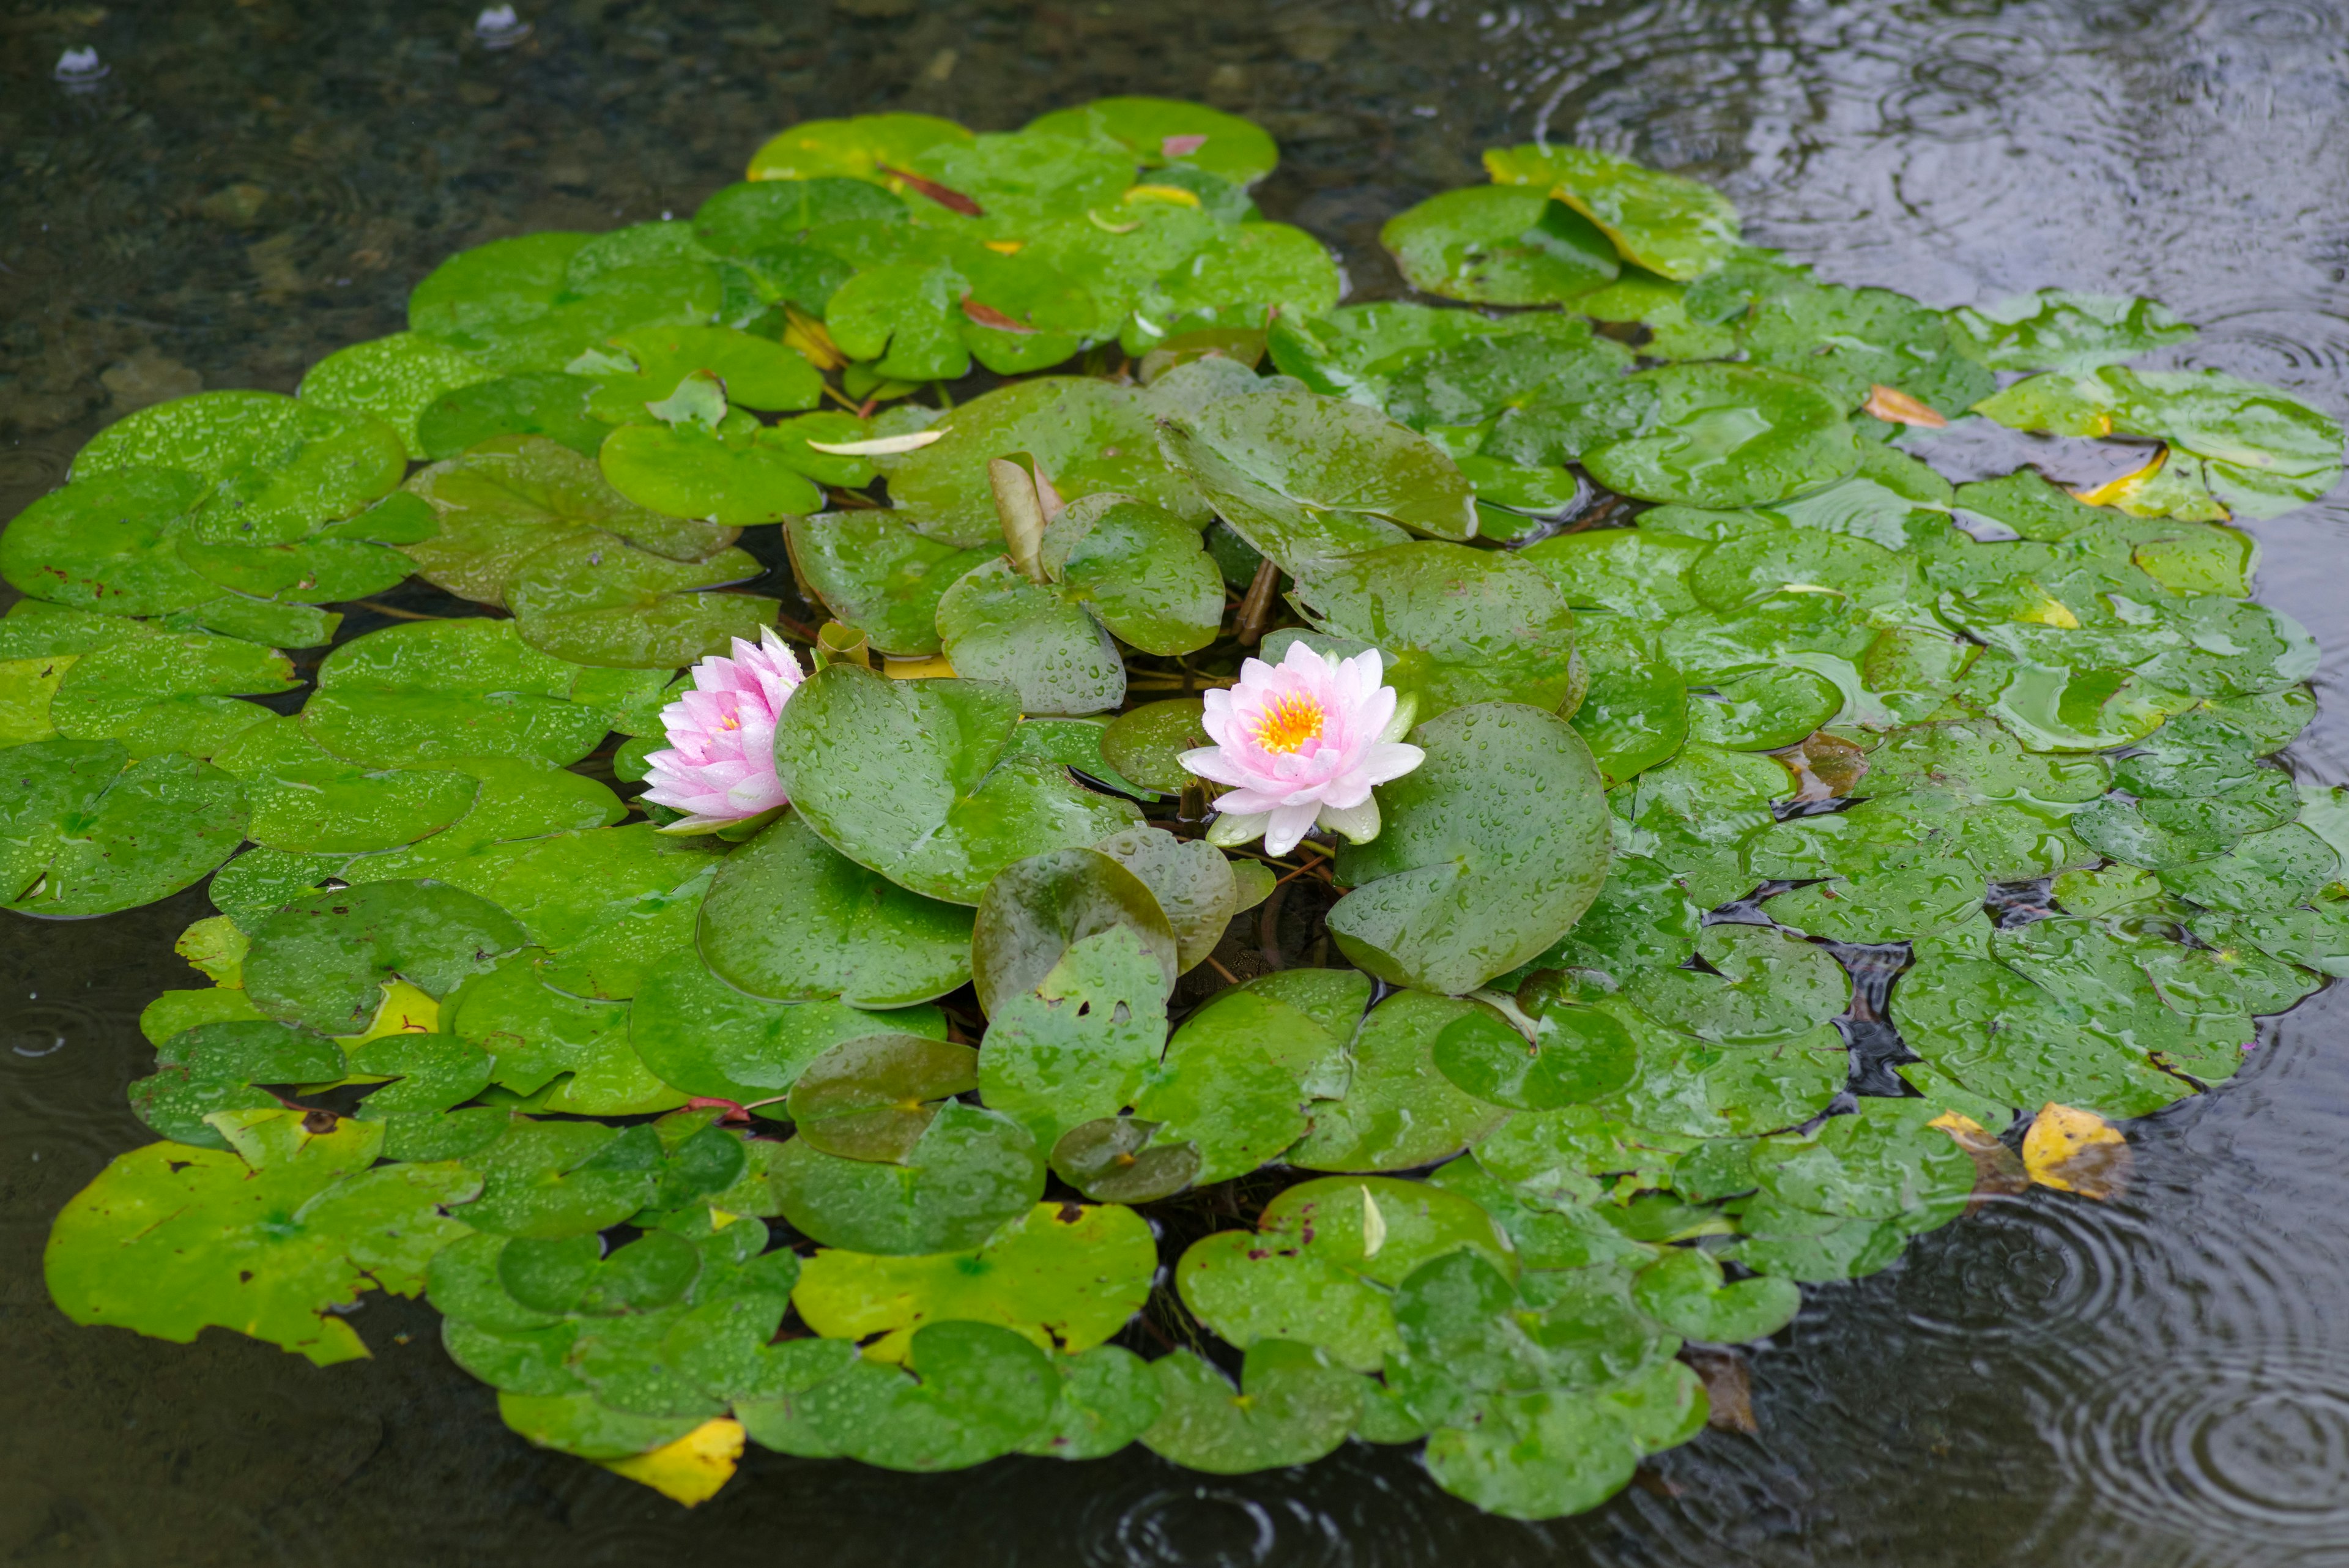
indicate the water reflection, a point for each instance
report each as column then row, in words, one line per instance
column 2164, row 1380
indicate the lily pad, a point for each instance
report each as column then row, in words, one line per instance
column 707, row 1038
column 1499, row 244
column 1720, row 435
column 1674, row 227
column 1158, row 131
column 910, row 778
column 1296, row 1408
column 82, row 834
column 1398, row 1109
column 1087, row 435
column 972, row 1171
column 879, row 576
column 275, row 469
column 305, row 799
column 1458, row 625
column 431, row 690
column 874, row 1097
column 548, row 403
column 1491, row 849
column 967, row 1392
column 597, row 601
column 394, row 378
column 1308, row 479
column 266, row 1238
column 793, row 919
column 322, row 962
column 513, row 496
column 1065, row 1276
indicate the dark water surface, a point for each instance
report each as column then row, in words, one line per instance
column 2163, row 1380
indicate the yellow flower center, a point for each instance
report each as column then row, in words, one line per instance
column 1287, row 721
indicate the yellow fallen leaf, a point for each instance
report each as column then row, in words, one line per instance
column 2049, row 611
column 405, row 1010
column 934, row 668
column 1174, row 193
column 2161, row 488
column 1996, row 1171
column 1005, row 247
column 1896, row 407
column 691, row 1469
column 2075, row 1151
column 809, row 338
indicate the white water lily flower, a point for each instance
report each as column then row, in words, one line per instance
column 1302, row 741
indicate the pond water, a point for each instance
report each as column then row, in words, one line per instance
column 2161, row 1380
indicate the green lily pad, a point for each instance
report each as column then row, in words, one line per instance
column 2263, row 452
column 110, row 541
column 1075, row 1047
column 513, row 496
column 1499, row 244
column 1397, row 1108
column 426, row 691
column 1720, row 435
column 599, row 601
column 1242, row 277
column 1674, row 227
column 81, row 833
column 1296, row 1408
column 2056, row 329
column 1109, row 1398
column 1685, row 1291
column 879, row 576
column 793, row 919
column 910, row 778
column 1088, row 435
column 967, row 1392
column 265, row 1238
column 995, row 624
column 1492, row 847
column 708, row 1038
column 394, row 378
column 536, row 302
column 1143, row 572
column 855, row 146
column 1146, row 743
column 1191, row 880
column 1851, row 340
column 322, row 962
column 551, row 404
column 549, row 1181
column 757, row 372
column 1233, row 1079
column 874, row 1097
column 1159, row 131
column 1111, row 1159
column 1764, row 985
column 1458, row 625
column 972, row 1171
column 215, row 1066
column 171, row 693
column 731, row 478
column 1640, row 572
column 1308, row 479
column 305, row 799
column 1251, row 1289
column 275, row 469
column 1576, row 1054
column 1065, row 1276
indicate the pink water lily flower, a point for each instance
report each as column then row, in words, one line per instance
column 721, row 764
column 1302, row 741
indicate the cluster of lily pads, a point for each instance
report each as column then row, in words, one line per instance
column 917, row 1121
